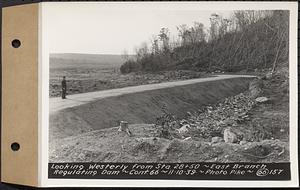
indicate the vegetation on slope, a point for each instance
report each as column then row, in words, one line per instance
column 247, row 41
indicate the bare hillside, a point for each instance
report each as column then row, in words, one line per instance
column 73, row 60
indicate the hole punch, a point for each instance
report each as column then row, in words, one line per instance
column 15, row 146
column 16, row 43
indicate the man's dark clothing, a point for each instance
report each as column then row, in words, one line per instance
column 64, row 88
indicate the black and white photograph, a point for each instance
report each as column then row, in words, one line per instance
column 150, row 94
column 170, row 85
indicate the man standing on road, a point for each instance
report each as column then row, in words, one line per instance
column 64, row 88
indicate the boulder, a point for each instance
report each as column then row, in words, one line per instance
column 229, row 136
column 184, row 129
column 261, row 99
column 255, row 87
column 216, row 139
column 188, row 138
column 269, row 75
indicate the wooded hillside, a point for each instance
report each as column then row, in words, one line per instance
column 246, row 41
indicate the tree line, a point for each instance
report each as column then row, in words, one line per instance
column 248, row 40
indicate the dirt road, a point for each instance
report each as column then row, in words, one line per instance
column 57, row 104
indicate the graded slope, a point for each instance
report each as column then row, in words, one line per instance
column 142, row 104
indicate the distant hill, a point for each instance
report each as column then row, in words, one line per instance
column 74, row 60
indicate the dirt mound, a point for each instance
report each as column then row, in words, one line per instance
column 99, row 146
column 187, row 151
column 266, row 150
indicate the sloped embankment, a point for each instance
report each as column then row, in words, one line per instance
column 142, row 107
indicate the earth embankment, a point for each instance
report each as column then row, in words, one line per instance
column 142, row 107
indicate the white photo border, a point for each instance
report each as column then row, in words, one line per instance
column 212, row 5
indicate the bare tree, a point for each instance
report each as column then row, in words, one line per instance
column 154, row 45
column 164, row 36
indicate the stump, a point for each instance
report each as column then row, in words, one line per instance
column 124, row 127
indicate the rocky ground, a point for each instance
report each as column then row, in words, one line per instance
column 252, row 126
column 143, row 146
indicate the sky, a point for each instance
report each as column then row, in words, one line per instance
column 103, row 28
